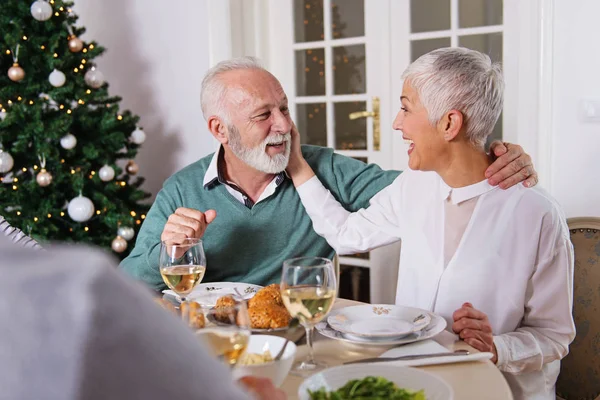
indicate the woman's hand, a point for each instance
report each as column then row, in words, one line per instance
column 298, row 169
column 474, row 328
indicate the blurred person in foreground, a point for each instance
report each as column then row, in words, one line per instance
column 75, row 328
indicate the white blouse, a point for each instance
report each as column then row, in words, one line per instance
column 513, row 262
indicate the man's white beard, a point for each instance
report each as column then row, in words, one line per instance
column 257, row 157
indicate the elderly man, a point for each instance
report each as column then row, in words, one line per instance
column 240, row 200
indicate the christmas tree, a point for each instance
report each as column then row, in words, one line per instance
column 66, row 161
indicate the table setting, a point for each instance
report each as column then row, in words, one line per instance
column 352, row 350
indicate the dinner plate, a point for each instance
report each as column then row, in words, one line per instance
column 379, row 321
column 208, row 293
column 437, row 325
column 404, row 377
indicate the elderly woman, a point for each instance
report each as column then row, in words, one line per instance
column 497, row 264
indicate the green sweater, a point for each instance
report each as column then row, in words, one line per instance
column 250, row 245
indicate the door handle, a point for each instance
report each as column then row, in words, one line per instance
column 376, row 121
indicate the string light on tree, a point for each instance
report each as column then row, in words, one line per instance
column 68, row 141
column 106, row 173
column 41, row 10
column 57, row 78
column 138, row 136
column 80, row 209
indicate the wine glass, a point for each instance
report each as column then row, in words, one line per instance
column 308, row 290
column 226, row 331
column 182, row 265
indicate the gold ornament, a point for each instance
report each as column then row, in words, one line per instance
column 132, row 168
column 44, row 178
column 16, row 73
column 119, row 244
column 75, row 44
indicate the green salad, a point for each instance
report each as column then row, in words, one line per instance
column 371, row 387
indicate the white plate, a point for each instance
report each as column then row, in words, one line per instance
column 437, row 325
column 208, row 293
column 404, row 377
column 379, row 321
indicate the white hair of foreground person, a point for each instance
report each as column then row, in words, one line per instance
column 213, row 89
column 456, row 78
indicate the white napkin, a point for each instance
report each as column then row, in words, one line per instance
column 427, row 347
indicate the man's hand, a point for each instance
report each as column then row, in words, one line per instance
column 186, row 223
column 262, row 388
column 474, row 328
column 510, row 167
column 297, row 168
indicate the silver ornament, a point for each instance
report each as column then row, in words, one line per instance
column 44, row 178
column 94, row 78
column 41, row 10
column 2, row 115
column 6, row 162
column 80, row 209
column 57, row 78
column 75, row 44
column 68, row 141
column 126, row 232
column 138, row 136
column 16, row 73
column 106, row 173
column 119, row 244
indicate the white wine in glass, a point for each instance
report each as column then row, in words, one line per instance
column 308, row 290
column 226, row 332
column 182, row 265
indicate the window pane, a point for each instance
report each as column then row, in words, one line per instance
column 350, row 134
column 310, row 72
column 420, row 47
column 347, row 18
column 479, row 13
column 349, row 69
column 312, row 123
column 308, row 20
column 429, row 15
column 490, row 44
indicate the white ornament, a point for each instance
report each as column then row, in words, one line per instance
column 119, row 244
column 44, row 178
column 126, row 232
column 68, row 141
column 138, row 136
column 41, row 10
column 6, row 162
column 94, row 78
column 2, row 115
column 57, row 78
column 80, row 209
column 106, row 173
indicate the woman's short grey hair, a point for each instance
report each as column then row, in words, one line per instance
column 460, row 79
column 213, row 90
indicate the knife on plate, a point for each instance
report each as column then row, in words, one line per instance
column 410, row 357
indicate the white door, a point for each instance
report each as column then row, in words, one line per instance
column 333, row 57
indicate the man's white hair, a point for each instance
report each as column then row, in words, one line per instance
column 457, row 78
column 213, row 90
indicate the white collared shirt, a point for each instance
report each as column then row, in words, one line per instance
column 212, row 176
column 513, row 262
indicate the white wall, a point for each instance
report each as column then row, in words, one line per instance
column 156, row 55
column 575, row 174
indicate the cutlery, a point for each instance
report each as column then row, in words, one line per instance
column 280, row 354
column 410, row 357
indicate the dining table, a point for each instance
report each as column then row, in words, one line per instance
column 473, row 380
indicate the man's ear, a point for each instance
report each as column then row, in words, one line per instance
column 218, row 129
column 451, row 124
